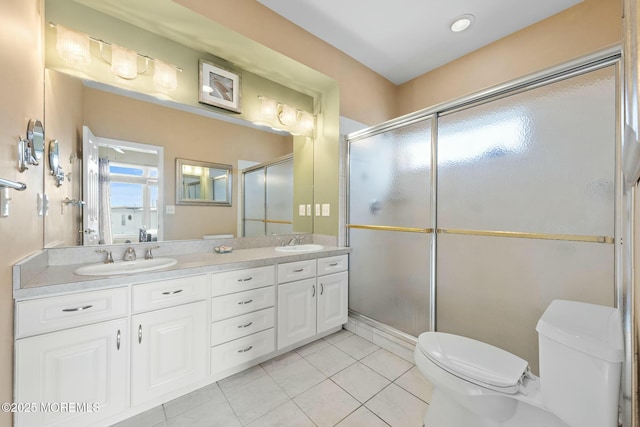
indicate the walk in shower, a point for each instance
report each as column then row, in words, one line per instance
column 471, row 217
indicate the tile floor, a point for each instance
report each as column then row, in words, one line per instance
column 342, row 380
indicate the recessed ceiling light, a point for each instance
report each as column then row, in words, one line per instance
column 462, row 23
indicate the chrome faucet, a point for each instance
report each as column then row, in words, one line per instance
column 296, row 240
column 109, row 259
column 148, row 254
column 129, row 254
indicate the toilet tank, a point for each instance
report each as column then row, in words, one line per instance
column 581, row 354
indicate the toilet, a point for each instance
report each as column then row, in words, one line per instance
column 476, row 384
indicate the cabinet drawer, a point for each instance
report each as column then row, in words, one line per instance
column 241, row 326
column 67, row 311
column 168, row 293
column 242, row 350
column 242, row 280
column 241, row 303
column 333, row 264
column 291, row 271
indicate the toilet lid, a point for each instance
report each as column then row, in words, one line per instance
column 474, row 361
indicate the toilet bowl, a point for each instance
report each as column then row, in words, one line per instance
column 476, row 384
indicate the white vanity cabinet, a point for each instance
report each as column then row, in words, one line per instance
column 242, row 317
column 168, row 336
column 73, row 356
column 310, row 306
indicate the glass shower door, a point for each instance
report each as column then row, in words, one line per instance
column 526, row 206
column 390, row 226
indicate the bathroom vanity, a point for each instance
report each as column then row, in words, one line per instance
column 114, row 346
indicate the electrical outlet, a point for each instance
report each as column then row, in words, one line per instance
column 301, row 210
column 325, row 210
column 170, row 209
column 308, row 210
column 317, row 209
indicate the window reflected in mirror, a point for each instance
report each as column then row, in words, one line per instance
column 203, row 183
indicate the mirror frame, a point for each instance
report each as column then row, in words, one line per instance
column 181, row 198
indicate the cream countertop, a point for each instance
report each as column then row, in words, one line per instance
column 61, row 279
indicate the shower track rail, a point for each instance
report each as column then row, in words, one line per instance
column 490, row 233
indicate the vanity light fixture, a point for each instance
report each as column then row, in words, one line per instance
column 281, row 116
column 74, row 47
column 462, row 23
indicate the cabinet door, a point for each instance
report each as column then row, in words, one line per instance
column 296, row 311
column 169, row 350
column 332, row 301
column 76, row 366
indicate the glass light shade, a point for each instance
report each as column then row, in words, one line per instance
column 287, row 115
column 124, row 62
column 165, row 75
column 72, row 46
column 306, row 123
column 268, row 109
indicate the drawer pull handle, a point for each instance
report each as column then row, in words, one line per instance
column 69, row 310
column 245, row 302
column 321, row 288
column 244, row 350
column 172, row 292
column 246, row 325
column 118, row 340
column 139, row 334
column 333, row 264
column 300, row 270
column 245, row 280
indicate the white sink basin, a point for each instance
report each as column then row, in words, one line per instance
column 299, row 248
column 125, row 267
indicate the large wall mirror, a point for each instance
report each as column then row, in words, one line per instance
column 74, row 99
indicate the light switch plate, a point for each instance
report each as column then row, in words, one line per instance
column 308, row 210
column 170, row 209
column 301, row 210
column 325, row 210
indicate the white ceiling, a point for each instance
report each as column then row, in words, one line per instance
column 402, row 39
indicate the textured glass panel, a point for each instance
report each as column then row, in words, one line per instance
column 254, row 228
column 389, row 278
column 494, row 289
column 280, row 191
column 389, row 178
column 254, row 194
column 539, row 161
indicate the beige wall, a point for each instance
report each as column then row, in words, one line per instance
column 63, row 118
column 22, row 99
column 585, row 28
column 187, row 136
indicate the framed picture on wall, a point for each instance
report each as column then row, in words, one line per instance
column 219, row 87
